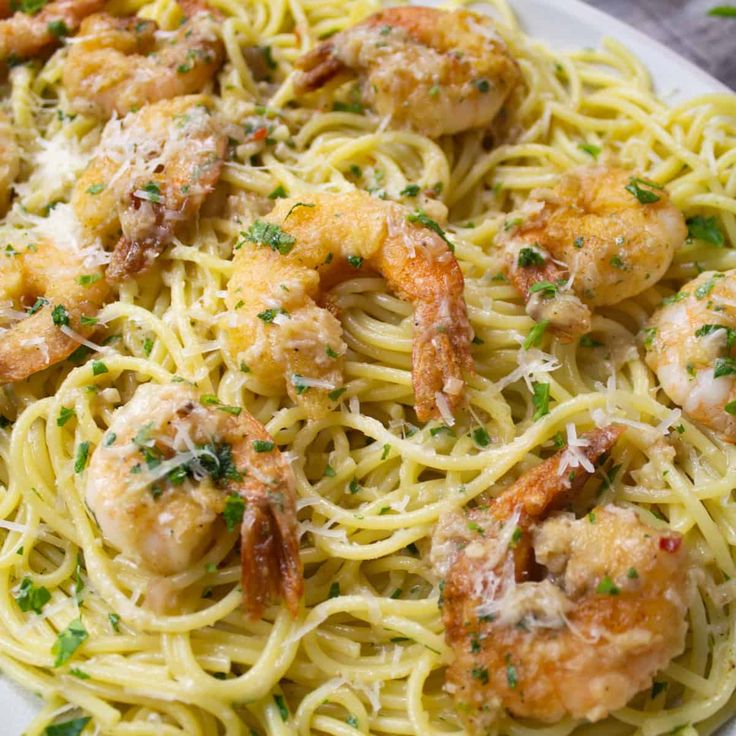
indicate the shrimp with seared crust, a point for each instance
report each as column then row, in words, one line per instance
column 436, row 71
column 287, row 260
column 152, row 171
column 170, row 466
column 116, row 65
column 691, row 345
column 26, row 34
column 551, row 616
column 46, row 292
column 599, row 236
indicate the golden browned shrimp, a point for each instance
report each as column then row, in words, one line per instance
column 277, row 329
column 691, row 346
column 436, row 71
column 152, row 171
column 551, row 616
column 116, row 64
column 601, row 235
column 170, row 467
column 45, row 292
column 27, row 34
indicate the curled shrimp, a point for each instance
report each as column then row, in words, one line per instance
column 276, row 328
column 152, row 171
column 23, row 35
column 599, row 236
column 46, row 293
column 116, row 64
column 690, row 344
column 436, row 71
column 551, row 616
column 170, row 467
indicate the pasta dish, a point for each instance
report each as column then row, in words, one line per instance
column 365, row 369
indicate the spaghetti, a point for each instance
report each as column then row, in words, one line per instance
column 367, row 653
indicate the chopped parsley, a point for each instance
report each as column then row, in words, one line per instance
column 535, row 334
column 32, row 598
column 334, row 591
column 152, row 192
column 540, row 399
column 80, row 463
column 73, row 727
column 482, row 85
column 263, row 445
column 114, row 619
column 730, row 408
column 98, row 368
column 278, row 193
column 607, row 587
column 590, row 149
column 706, row 229
column 617, row 262
column 95, row 188
column 723, row 11
column 705, row 288
column 512, row 676
column 37, row 305
column 422, row 218
column 546, row 288
column 632, row 574
column 587, row 341
column 68, row 641
column 710, row 329
column 410, row 190
column 60, row 316
column 335, row 394
column 86, row 279
column 480, row 674
column 724, row 367
column 530, row 257
column 65, row 415
column 355, row 261
column 645, row 196
column 267, row 233
column 234, row 510
column 281, row 705
column 480, row 437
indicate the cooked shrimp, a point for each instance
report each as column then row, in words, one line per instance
column 44, row 298
column 600, row 236
column 436, row 71
column 152, row 171
column 25, row 34
column 9, row 160
column 691, row 345
column 167, row 470
column 277, row 329
column 115, row 65
column 549, row 615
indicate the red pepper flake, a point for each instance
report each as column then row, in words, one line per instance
column 670, row 544
column 260, row 134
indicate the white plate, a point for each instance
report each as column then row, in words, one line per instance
column 564, row 24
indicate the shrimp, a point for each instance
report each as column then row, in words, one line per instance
column 600, row 236
column 24, row 34
column 116, row 66
column 436, row 71
column 152, row 171
column 690, row 344
column 549, row 615
column 167, row 471
column 276, row 328
column 45, row 298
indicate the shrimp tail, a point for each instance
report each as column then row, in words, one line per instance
column 439, row 358
column 269, row 553
column 568, row 317
column 318, row 66
column 546, row 484
column 131, row 257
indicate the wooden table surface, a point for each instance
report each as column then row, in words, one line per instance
column 685, row 27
